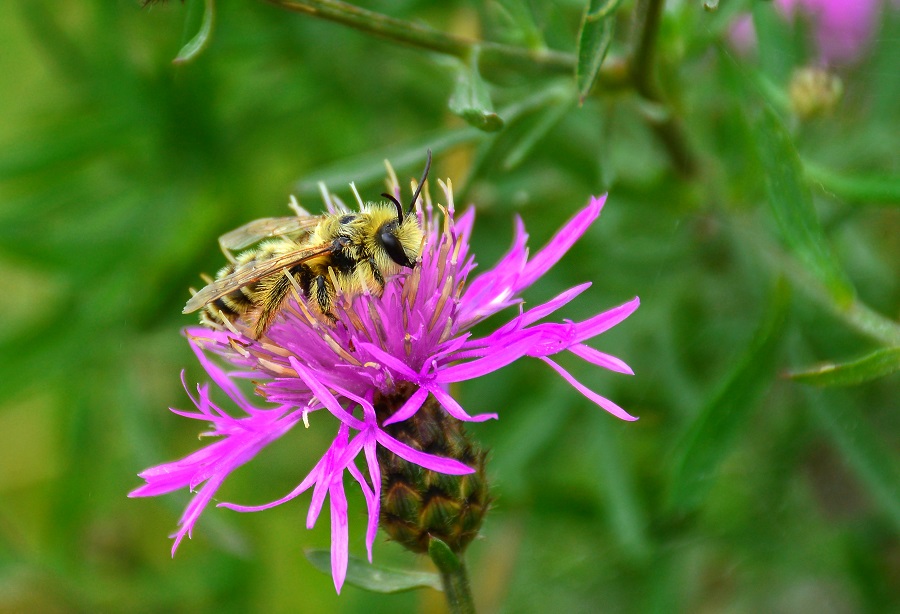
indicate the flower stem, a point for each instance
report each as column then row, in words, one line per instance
column 666, row 126
column 419, row 35
column 454, row 577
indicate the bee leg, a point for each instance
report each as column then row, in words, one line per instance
column 271, row 295
column 322, row 295
column 228, row 255
column 376, row 273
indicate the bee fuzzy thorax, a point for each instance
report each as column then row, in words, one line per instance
column 344, row 252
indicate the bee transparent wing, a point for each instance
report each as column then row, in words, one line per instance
column 252, row 272
column 257, row 230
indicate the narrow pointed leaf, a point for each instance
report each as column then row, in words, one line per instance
column 201, row 40
column 522, row 25
column 710, row 437
column 791, row 204
column 444, row 558
column 872, row 366
column 866, row 189
column 593, row 43
column 362, row 574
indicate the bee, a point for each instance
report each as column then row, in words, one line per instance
column 353, row 252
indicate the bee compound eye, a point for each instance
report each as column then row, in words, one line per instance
column 393, row 247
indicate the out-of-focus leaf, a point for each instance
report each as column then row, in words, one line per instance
column 791, row 204
column 369, row 167
column 547, row 118
column 709, row 438
column 860, row 447
column 883, row 190
column 471, row 99
column 521, row 23
column 872, row 366
column 362, row 574
column 594, row 39
column 200, row 40
column 627, row 516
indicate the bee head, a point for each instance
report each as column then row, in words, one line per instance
column 391, row 234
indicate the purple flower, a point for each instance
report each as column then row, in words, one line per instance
column 842, row 29
column 414, row 341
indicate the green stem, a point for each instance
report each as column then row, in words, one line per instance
column 425, row 37
column 854, row 312
column 665, row 125
column 453, row 576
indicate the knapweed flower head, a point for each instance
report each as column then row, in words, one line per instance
column 384, row 369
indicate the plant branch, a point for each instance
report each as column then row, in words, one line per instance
column 425, row 37
column 642, row 68
column 854, row 313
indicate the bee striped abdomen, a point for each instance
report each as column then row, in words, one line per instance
column 231, row 306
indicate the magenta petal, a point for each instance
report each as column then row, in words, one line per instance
column 324, row 395
column 542, row 311
column 601, row 359
column 412, row 405
column 604, row 321
column 605, row 403
column 429, row 461
column 339, row 548
column 219, row 376
column 372, row 507
column 452, row 407
column 311, row 478
column 490, row 363
column 550, row 254
column 390, row 361
column 375, row 510
column 195, row 508
column 338, row 446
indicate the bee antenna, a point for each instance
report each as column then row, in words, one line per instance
column 397, row 204
column 412, row 205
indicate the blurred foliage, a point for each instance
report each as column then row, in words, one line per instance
column 758, row 241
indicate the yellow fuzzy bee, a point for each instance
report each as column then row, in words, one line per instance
column 353, row 251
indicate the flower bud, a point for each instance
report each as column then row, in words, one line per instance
column 814, row 92
column 417, row 503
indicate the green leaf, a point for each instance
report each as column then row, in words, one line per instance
column 594, row 39
column 709, row 438
column 201, row 40
column 791, row 204
column 444, row 558
column 471, row 99
column 869, row 189
column 872, row 366
column 546, row 119
column 362, row 574
column 521, row 24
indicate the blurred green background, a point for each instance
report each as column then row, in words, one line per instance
column 738, row 490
